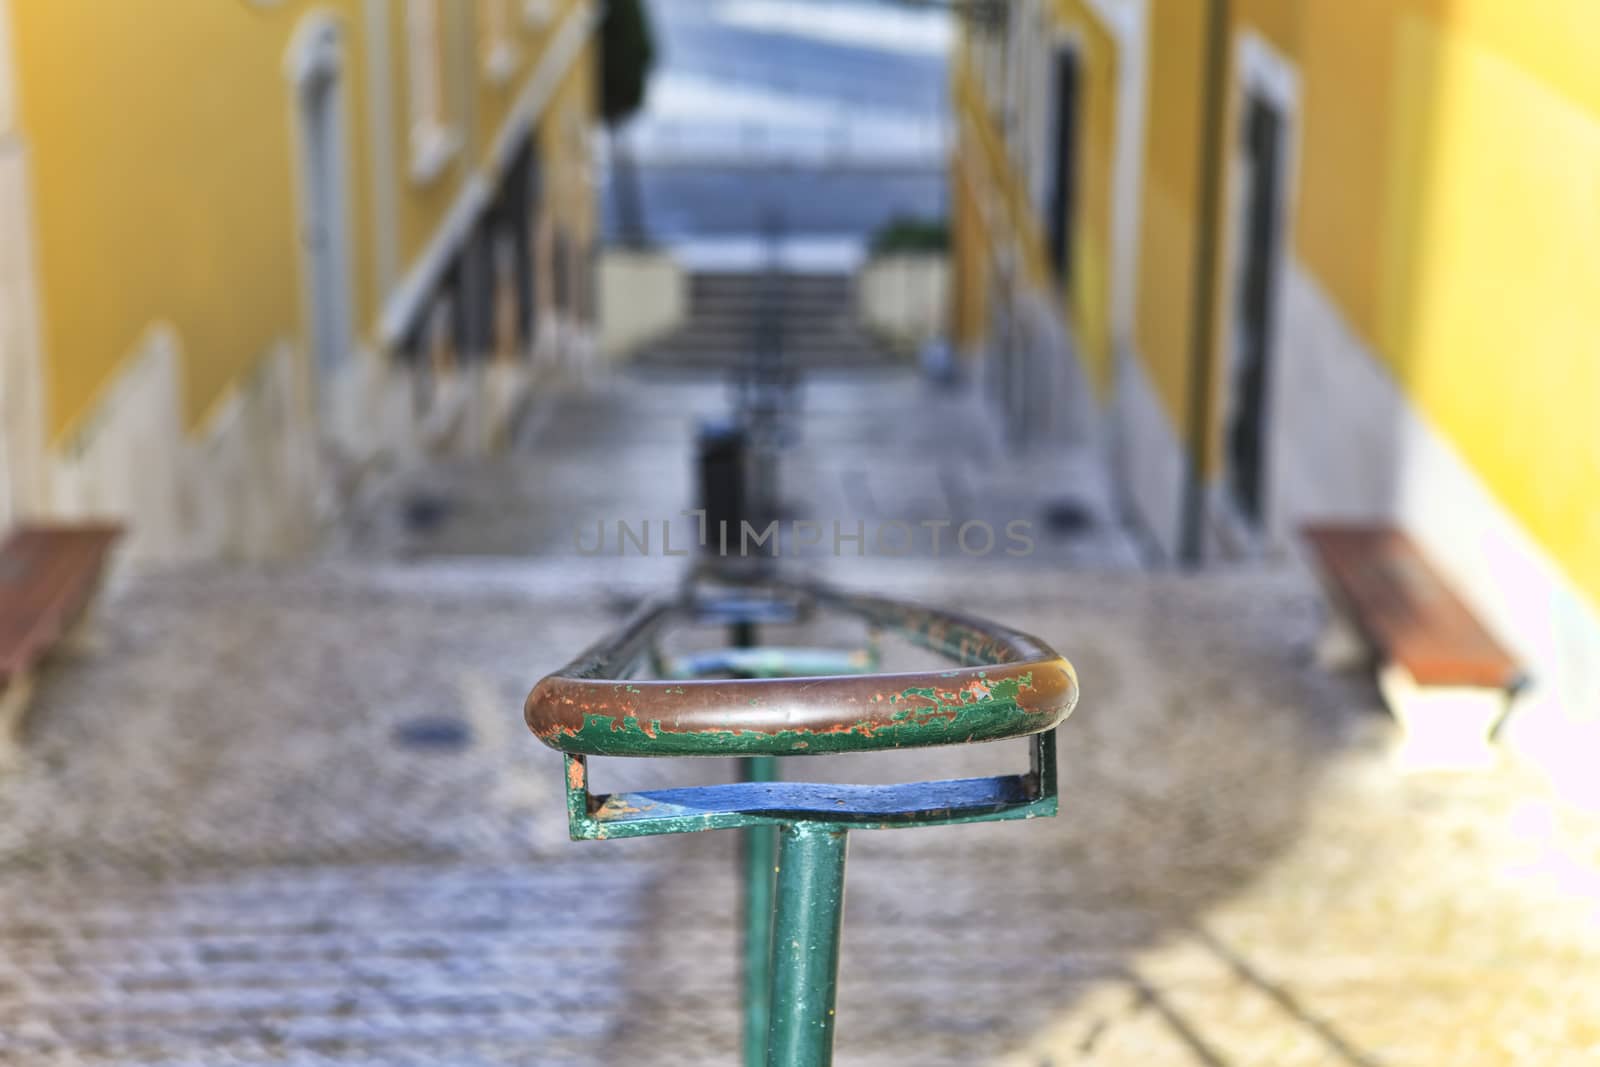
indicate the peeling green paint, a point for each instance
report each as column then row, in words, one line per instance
column 924, row 716
column 582, row 710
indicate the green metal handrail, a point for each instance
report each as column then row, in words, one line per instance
column 1001, row 684
column 1004, row 684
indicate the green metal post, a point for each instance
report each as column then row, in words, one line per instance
column 760, row 857
column 805, row 939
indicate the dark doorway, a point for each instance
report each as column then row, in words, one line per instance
column 518, row 209
column 1259, row 217
column 472, row 286
column 1064, row 173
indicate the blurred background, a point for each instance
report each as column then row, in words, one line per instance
column 362, row 361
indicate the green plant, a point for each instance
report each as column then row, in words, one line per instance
column 627, row 55
column 907, row 234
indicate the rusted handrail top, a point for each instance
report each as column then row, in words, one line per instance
column 1003, row 683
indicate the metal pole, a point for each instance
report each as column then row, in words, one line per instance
column 760, row 856
column 805, row 956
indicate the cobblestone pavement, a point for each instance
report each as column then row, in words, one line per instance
column 291, row 815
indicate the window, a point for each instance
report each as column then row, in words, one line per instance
column 498, row 51
column 433, row 141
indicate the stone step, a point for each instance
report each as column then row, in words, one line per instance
column 700, row 359
column 788, row 346
column 745, row 327
column 761, row 296
column 745, row 280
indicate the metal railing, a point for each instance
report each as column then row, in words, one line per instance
column 759, row 703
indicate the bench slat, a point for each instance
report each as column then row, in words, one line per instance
column 47, row 574
column 1406, row 609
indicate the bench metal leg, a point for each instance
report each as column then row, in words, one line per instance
column 1446, row 728
column 1340, row 646
column 805, row 956
column 760, row 857
column 14, row 697
column 79, row 637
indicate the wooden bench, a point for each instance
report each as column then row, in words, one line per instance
column 47, row 576
column 1442, row 674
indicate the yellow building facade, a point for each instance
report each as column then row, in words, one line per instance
column 1379, row 215
column 252, row 249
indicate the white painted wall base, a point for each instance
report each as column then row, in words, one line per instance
column 252, row 474
column 125, row 460
column 1031, row 365
column 243, row 487
column 264, row 473
column 1147, row 454
column 1337, row 421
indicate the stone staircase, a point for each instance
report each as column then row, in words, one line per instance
column 734, row 314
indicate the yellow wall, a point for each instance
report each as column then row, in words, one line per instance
column 1176, row 61
column 1449, row 162
column 1089, row 298
column 148, row 201
column 163, row 151
column 1478, row 190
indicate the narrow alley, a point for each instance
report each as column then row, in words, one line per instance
column 291, row 814
column 361, row 384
